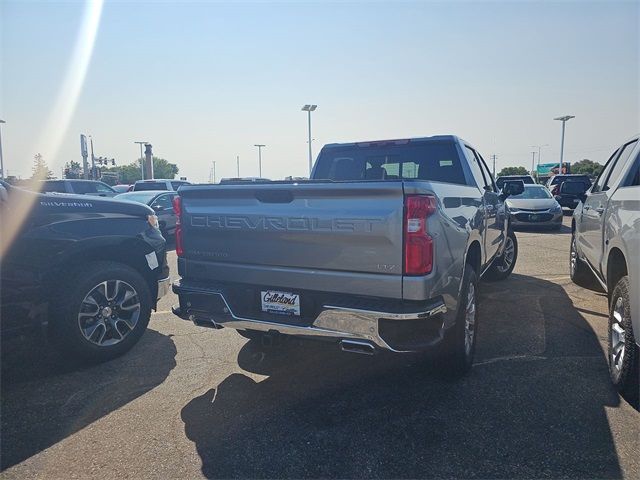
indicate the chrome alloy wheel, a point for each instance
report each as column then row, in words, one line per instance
column 617, row 347
column 109, row 312
column 470, row 319
column 507, row 256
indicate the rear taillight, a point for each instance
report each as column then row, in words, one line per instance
column 177, row 209
column 418, row 245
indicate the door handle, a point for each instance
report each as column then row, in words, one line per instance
column 599, row 210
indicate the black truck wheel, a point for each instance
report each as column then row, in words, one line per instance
column 502, row 266
column 578, row 270
column 622, row 348
column 459, row 343
column 101, row 311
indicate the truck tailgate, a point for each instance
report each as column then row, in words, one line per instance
column 343, row 236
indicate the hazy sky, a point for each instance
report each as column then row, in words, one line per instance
column 205, row 81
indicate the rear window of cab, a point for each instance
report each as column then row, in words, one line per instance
column 436, row 161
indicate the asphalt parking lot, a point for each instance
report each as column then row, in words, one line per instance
column 188, row 402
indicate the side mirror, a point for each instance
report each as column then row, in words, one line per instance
column 511, row 188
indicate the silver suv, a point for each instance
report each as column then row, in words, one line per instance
column 605, row 248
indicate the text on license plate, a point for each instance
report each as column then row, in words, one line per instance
column 283, row 303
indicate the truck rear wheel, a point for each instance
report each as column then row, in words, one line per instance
column 502, row 266
column 101, row 311
column 459, row 344
column 622, row 348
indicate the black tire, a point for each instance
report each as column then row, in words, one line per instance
column 502, row 266
column 578, row 270
column 623, row 362
column 457, row 349
column 71, row 301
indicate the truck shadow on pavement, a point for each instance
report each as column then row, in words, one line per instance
column 47, row 397
column 533, row 406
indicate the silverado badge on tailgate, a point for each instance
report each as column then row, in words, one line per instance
column 280, row 302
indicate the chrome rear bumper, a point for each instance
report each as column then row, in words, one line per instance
column 337, row 322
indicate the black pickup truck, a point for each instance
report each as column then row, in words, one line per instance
column 89, row 270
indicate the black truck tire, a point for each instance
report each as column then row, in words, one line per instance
column 579, row 271
column 459, row 344
column 502, row 266
column 622, row 349
column 100, row 311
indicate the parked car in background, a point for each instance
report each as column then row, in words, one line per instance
column 88, row 271
column 77, row 186
column 553, row 184
column 527, row 179
column 605, row 248
column 161, row 201
column 535, row 207
column 121, row 188
column 383, row 250
column 569, row 193
column 158, row 184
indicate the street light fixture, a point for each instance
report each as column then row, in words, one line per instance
column 309, row 109
column 141, row 158
column 259, row 158
column 564, row 119
column 1, row 157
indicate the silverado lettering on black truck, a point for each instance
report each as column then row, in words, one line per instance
column 381, row 250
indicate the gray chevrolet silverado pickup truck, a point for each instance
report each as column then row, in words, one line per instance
column 381, row 249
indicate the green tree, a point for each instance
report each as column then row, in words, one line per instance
column 164, row 169
column 131, row 173
column 513, row 171
column 586, row 167
column 72, row 169
column 40, row 170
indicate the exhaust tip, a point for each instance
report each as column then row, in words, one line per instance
column 355, row 346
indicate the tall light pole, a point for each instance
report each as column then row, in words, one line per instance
column 238, row 164
column 533, row 161
column 1, row 157
column 259, row 158
column 539, row 147
column 141, row 158
column 564, row 120
column 309, row 109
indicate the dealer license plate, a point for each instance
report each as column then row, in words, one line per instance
column 283, row 303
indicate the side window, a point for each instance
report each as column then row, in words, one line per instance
column 102, row 188
column 597, row 186
column 56, row 186
column 619, row 166
column 83, row 187
column 163, row 201
column 487, row 173
column 478, row 175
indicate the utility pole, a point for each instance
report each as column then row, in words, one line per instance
column 141, row 158
column 309, row 109
column 1, row 157
column 238, row 165
column 493, row 157
column 564, row 120
column 539, row 147
column 213, row 169
column 259, row 158
column 533, row 161
column 93, row 161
